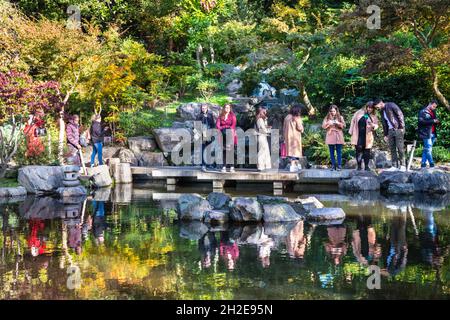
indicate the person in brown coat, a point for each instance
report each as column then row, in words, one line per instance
column 334, row 123
column 292, row 134
column 363, row 124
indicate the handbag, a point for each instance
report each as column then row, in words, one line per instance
column 283, row 150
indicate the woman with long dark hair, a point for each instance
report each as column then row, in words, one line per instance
column 292, row 133
column 226, row 122
column 263, row 130
column 363, row 124
column 334, row 123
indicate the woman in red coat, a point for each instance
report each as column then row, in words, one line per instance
column 226, row 122
column 34, row 144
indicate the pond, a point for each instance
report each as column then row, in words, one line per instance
column 121, row 249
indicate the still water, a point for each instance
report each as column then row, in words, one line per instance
column 124, row 244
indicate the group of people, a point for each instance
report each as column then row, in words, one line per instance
column 78, row 137
column 363, row 125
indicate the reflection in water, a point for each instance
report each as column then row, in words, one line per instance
column 136, row 251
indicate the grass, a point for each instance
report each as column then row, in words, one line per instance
column 7, row 183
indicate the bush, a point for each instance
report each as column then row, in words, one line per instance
column 440, row 154
column 143, row 122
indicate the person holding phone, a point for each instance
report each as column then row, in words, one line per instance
column 334, row 124
column 363, row 124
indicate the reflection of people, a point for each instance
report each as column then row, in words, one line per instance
column 229, row 250
column 99, row 224
column 75, row 237
column 430, row 249
column 265, row 245
column 398, row 252
column 336, row 246
column 207, row 246
column 364, row 245
column 35, row 242
column 296, row 241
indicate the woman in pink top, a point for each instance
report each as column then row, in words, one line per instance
column 334, row 124
column 226, row 122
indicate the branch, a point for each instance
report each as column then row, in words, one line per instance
column 419, row 35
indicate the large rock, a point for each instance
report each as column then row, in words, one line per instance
column 322, row 214
column 381, row 159
column 190, row 111
column 13, row 192
column 193, row 230
column 310, row 203
column 152, row 159
column 400, row 188
column 121, row 173
column 245, row 209
column 127, row 156
column 168, row 138
column 271, row 199
column 217, row 216
column 279, row 212
column 71, row 192
column 388, row 177
column 219, row 200
column 192, row 207
column 431, row 181
column 41, row 179
column 100, row 176
column 141, row 144
column 359, row 184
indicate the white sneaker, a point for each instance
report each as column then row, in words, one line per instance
column 402, row 168
column 224, row 169
column 232, row 169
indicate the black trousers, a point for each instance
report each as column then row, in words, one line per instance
column 362, row 154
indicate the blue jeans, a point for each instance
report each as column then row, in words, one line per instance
column 97, row 149
column 427, row 150
column 338, row 148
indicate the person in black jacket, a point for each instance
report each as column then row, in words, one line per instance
column 427, row 132
column 207, row 119
column 97, row 134
column 394, row 131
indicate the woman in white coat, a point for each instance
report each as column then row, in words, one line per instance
column 263, row 130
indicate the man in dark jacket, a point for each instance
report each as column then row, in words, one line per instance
column 427, row 132
column 394, row 131
column 207, row 120
column 73, row 140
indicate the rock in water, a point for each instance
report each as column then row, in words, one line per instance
column 245, row 209
column 431, row 181
column 41, row 179
column 72, row 191
column 279, row 212
column 310, row 203
column 400, row 188
column 216, row 216
column 361, row 183
column 219, row 200
column 192, row 207
column 322, row 214
column 100, row 176
column 387, row 177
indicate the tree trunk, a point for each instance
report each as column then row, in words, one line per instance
column 62, row 131
column 305, row 97
column 436, row 90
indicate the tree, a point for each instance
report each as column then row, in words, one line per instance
column 20, row 97
column 427, row 20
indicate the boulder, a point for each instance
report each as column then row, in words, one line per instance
column 142, row 144
column 168, row 138
column 71, row 192
column 322, row 214
column 387, row 177
column 192, row 207
column 400, row 188
column 152, row 159
column 216, row 216
column 41, row 179
column 245, row 209
column 127, row 156
column 13, row 192
column 430, row 180
column 121, row 173
column 359, row 184
column 279, row 212
column 189, row 111
column 310, row 203
column 193, row 230
column 100, row 176
column 271, row 199
column 234, row 86
column 219, row 200
column 381, row 160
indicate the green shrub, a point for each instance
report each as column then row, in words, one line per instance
column 440, row 154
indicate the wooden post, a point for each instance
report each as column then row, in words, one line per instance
column 412, row 155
